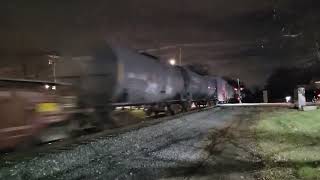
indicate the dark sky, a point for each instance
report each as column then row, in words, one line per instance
column 237, row 38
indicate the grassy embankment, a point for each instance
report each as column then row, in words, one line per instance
column 289, row 142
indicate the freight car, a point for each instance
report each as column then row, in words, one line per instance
column 27, row 111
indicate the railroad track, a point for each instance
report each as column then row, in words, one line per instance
column 11, row 158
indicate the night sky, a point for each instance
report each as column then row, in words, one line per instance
column 238, row 38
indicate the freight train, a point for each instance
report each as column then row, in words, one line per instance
column 121, row 77
column 89, row 86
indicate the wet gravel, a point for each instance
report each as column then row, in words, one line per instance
column 156, row 152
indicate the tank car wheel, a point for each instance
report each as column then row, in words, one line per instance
column 186, row 106
column 198, row 105
column 156, row 113
column 148, row 112
column 169, row 110
column 210, row 103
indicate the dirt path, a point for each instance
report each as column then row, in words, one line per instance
column 232, row 152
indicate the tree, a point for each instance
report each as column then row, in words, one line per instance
column 283, row 81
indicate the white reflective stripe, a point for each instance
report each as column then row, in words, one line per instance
column 18, row 136
column 256, row 104
column 15, row 128
column 53, row 119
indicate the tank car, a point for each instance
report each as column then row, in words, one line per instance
column 199, row 89
column 225, row 92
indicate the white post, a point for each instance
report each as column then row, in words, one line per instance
column 265, row 96
column 301, row 97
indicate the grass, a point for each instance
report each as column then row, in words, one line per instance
column 289, row 142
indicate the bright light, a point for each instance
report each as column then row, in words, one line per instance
column 236, row 89
column 317, row 82
column 47, row 86
column 318, row 95
column 241, row 89
column 172, row 62
column 54, row 87
column 288, row 99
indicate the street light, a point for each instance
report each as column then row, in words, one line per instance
column 172, row 62
column 51, row 62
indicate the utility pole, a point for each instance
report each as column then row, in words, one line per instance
column 54, row 71
column 180, row 56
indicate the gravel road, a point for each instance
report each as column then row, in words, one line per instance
column 172, row 149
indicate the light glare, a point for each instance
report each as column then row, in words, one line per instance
column 288, row 99
column 172, row 62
